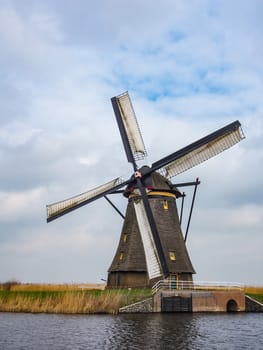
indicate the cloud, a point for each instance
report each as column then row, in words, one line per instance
column 17, row 205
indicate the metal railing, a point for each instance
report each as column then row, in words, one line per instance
column 173, row 284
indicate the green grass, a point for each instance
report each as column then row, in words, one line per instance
column 258, row 297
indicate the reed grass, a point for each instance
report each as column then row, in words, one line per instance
column 253, row 289
column 69, row 301
column 56, row 287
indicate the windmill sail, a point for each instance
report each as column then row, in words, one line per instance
column 63, row 207
column 151, row 255
column 129, row 128
column 200, row 150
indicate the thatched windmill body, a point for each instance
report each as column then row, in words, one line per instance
column 151, row 244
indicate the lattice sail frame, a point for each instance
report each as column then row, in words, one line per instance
column 203, row 153
column 131, row 126
column 57, row 208
column 151, row 254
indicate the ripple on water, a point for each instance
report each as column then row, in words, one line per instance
column 134, row 331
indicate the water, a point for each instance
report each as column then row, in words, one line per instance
column 133, row 331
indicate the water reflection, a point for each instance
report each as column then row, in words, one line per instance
column 134, row 331
column 153, row 331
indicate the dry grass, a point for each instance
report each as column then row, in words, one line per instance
column 67, row 299
column 57, row 287
column 253, row 289
column 61, row 302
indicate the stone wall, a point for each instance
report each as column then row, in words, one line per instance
column 253, row 305
column 144, row 306
column 202, row 301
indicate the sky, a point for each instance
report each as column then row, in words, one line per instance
column 190, row 67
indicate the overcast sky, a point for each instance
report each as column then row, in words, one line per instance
column 190, row 67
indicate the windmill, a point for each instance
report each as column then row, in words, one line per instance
column 151, row 245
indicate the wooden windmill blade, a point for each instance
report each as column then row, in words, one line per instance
column 200, row 151
column 149, row 233
column 135, row 150
column 58, row 209
column 129, row 128
column 151, row 253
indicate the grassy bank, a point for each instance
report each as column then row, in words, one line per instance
column 68, row 299
column 255, row 293
column 76, row 299
column 258, row 297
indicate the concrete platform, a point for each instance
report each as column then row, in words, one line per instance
column 199, row 301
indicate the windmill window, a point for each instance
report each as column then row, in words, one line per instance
column 121, row 256
column 124, row 237
column 165, row 205
column 172, row 256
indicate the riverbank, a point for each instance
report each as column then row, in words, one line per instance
column 77, row 299
column 68, row 299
